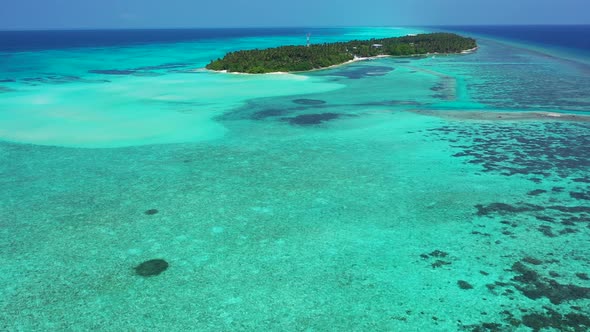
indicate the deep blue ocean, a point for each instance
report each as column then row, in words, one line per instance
column 564, row 36
column 19, row 41
column 569, row 36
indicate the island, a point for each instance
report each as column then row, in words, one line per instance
column 318, row 56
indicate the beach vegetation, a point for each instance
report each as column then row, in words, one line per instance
column 317, row 56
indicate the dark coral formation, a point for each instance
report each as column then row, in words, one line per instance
column 51, row 78
column 151, row 212
column 436, row 254
column 439, row 253
column 269, row 113
column 580, row 195
column 486, row 327
column 503, row 208
column 536, row 192
column 439, row 263
column 151, row 268
column 464, row 284
column 557, row 189
column 276, row 111
column 539, row 149
column 141, row 71
column 313, row 119
column 585, row 179
column 304, row 101
column 532, row 260
column 356, row 71
column 546, row 230
column 112, row 71
column 552, row 319
column 389, row 103
column 565, row 215
column 560, row 154
column 5, row 89
column 534, row 286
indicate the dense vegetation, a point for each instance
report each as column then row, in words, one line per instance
column 301, row 58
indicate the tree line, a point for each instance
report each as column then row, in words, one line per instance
column 316, row 56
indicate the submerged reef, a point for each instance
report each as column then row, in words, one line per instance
column 536, row 322
column 464, row 284
column 304, row 101
column 313, row 119
column 552, row 319
column 534, row 286
column 151, row 268
column 537, row 150
column 151, row 212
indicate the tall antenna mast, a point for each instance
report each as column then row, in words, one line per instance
column 308, row 37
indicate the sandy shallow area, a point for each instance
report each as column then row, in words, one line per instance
column 503, row 116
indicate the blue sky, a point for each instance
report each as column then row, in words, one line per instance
column 59, row 14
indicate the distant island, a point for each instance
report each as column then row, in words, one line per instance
column 318, row 56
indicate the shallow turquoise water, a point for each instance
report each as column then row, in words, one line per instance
column 345, row 199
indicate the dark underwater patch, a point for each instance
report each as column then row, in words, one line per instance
column 162, row 66
column 112, row 71
column 584, row 179
column 464, row 285
column 557, row 189
column 580, row 195
column 546, row 230
column 304, row 101
column 439, row 263
column 572, row 220
column 436, row 255
column 391, row 103
column 313, row 119
column 534, row 286
column 537, row 150
column 5, row 89
column 553, row 319
column 358, row 72
column 570, row 209
column 503, row 208
column 536, row 321
column 186, row 71
column 260, row 115
column 147, row 74
column 58, row 79
column 536, row 192
column 532, row 260
column 142, row 71
column 554, row 214
column 151, row 212
column 151, row 268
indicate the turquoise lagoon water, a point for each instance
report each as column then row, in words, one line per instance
column 423, row 194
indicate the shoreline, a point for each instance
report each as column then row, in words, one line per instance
column 356, row 59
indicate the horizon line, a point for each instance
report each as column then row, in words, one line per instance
column 289, row 27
